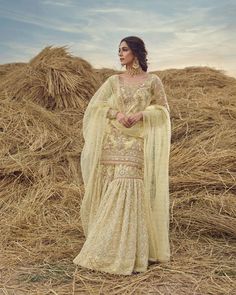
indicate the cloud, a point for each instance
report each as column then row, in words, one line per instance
column 176, row 34
column 47, row 23
column 63, row 3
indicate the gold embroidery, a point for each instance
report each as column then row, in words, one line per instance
column 107, row 162
column 114, row 171
column 118, row 240
column 118, row 148
column 134, row 98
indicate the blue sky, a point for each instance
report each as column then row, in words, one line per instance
column 177, row 33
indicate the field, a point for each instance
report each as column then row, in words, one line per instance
column 41, row 109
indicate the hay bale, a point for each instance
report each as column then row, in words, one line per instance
column 54, row 79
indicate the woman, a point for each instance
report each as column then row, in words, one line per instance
column 124, row 164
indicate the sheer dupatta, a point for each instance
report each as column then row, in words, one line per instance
column 157, row 130
column 94, row 124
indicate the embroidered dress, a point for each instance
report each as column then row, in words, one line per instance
column 117, row 211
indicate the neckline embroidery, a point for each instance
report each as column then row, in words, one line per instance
column 135, row 87
column 138, row 85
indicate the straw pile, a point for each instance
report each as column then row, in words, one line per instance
column 41, row 110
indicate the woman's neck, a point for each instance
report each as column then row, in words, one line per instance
column 134, row 72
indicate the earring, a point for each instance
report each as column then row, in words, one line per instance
column 135, row 64
column 135, row 69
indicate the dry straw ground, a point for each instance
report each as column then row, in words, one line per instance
column 41, row 110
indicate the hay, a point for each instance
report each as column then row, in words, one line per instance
column 53, row 79
column 41, row 110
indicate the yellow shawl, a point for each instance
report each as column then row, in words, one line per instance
column 156, row 131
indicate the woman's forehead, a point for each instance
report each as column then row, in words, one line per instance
column 123, row 44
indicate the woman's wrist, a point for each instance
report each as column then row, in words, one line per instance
column 117, row 113
column 112, row 113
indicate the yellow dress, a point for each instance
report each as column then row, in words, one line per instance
column 116, row 219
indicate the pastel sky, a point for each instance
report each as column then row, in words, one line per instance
column 177, row 33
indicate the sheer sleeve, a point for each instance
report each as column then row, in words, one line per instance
column 158, row 93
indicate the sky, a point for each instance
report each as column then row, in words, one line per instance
column 177, row 33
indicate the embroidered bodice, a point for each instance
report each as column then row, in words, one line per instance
column 134, row 97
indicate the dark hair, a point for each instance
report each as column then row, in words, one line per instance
column 137, row 46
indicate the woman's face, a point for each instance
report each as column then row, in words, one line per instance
column 125, row 54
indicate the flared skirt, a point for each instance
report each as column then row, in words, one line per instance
column 117, row 241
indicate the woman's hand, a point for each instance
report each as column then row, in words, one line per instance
column 123, row 119
column 134, row 118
